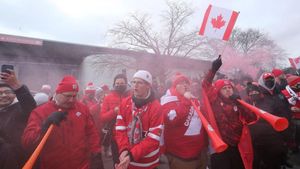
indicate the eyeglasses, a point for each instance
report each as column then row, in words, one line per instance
column 68, row 96
column 137, row 82
column 6, row 92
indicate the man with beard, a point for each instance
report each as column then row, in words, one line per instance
column 139, row 126
column 74, row 141
column 109, row 110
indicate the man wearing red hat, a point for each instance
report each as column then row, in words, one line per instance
column 74, row 141
column 139, row 126
column 280, row 79
column 89, row 95
column 230, row 119
column 185, row 139
column 278, row 104
column 268, row 144
column 292, row 94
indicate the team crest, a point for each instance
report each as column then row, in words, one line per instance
column 78, row 114
column 74, row 86
column 235, row 108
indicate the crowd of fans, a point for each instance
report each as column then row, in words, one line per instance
column 136, row 123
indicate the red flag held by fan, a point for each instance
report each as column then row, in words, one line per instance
column 218, row 22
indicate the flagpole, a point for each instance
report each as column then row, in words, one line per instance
column 226, row 44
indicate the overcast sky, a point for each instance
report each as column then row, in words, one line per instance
column 87, row 21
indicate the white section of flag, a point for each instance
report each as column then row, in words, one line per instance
column 223, row 28
column 295, row 62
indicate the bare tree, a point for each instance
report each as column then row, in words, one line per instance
column 172, row 39
column 254, row 42
column 249, row 40
column 110, row 61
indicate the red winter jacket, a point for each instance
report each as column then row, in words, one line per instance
column 184, row 135
column 146, row 153
column 70, row 144
column 228, row 114
column 110, row 101
column 229, row 119
column 88, row 101
column 94, row 111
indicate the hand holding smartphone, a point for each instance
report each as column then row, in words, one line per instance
column 8, row 76
column 6, row 68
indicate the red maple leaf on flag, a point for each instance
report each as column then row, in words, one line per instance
column 218, row 22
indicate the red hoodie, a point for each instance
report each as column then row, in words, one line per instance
column 111, row 101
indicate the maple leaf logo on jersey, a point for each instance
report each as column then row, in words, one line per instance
column 218, row 22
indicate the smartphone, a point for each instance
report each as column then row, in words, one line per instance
column 6, row 68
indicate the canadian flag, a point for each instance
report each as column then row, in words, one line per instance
column 295, row 62
column 218, row 22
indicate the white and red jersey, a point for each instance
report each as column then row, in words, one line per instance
column 293, row 98
column 146, row 153
column 184, row 135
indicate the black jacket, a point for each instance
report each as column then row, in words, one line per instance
column 13, row 119
column 262, row 132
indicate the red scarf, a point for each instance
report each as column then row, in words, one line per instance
column 136, row 132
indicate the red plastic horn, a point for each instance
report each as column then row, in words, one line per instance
column 217, row 142
column 29, row 164
column 278, row 123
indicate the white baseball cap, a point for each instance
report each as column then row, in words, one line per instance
column 143, row 74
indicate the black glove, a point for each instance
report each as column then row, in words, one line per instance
column 96, row 161
column 235, row 97
column 54, row 118
column 216, row 64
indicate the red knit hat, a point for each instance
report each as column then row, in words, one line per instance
column 277, row 72
column 221, row 83
column 293, row 80
column 90, row 88
column 179, row 78
column 105, row 87
column 267, row 75
column 67, row 84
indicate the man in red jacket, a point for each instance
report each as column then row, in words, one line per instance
column 89, row 95
column 230, row 119
column 74, row 141
column 184, row 137
column 139, row 126
column 109, row 110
